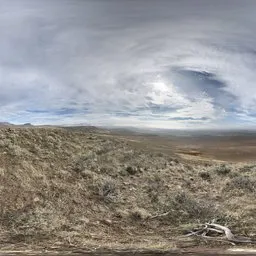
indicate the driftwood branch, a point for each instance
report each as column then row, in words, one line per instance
column 218, row 232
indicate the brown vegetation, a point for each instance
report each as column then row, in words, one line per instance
column 84, row 188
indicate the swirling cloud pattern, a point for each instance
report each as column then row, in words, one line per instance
column 144, row 63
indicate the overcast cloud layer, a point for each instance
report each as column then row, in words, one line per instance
column 145, row 63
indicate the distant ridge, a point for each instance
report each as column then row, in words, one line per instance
column 5, row 124
column 27, row 124
column 87, row 128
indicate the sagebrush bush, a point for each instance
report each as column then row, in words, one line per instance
column 222, row 169
column 247, row 168
column 243, row 183
column 185, row 208
column 205, row 176
column 108, row 190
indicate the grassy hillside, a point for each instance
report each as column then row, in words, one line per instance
column 70, row 187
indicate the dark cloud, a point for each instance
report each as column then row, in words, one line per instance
column 200, row 82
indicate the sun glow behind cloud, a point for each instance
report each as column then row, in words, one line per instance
column 165, row 64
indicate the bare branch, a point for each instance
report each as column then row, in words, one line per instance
column 216, row 231
column 226, row 230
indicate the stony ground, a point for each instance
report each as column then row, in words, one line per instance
column 75, row 188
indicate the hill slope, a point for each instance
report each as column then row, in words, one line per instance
column 71, row 187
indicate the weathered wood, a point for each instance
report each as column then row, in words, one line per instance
column 219, row 230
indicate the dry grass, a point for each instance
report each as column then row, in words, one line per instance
column 79, row 187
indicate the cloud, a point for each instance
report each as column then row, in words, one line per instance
column 168, row 64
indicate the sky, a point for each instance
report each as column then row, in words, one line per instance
column 172, row 64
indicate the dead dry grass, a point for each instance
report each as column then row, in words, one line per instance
column 64, row 187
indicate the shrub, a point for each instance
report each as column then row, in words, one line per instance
column 83, row 161
column 205, row 176
column 154, row 188
column 87, row 174
column 195, row 208
column 131, row 170
column 184, row 208
column 159, row 154
column 247, row 168
column 176, row 160
column 139, row 214
column 79, row 166
column 242, row 182
column 107, row 190
column 223, row 169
